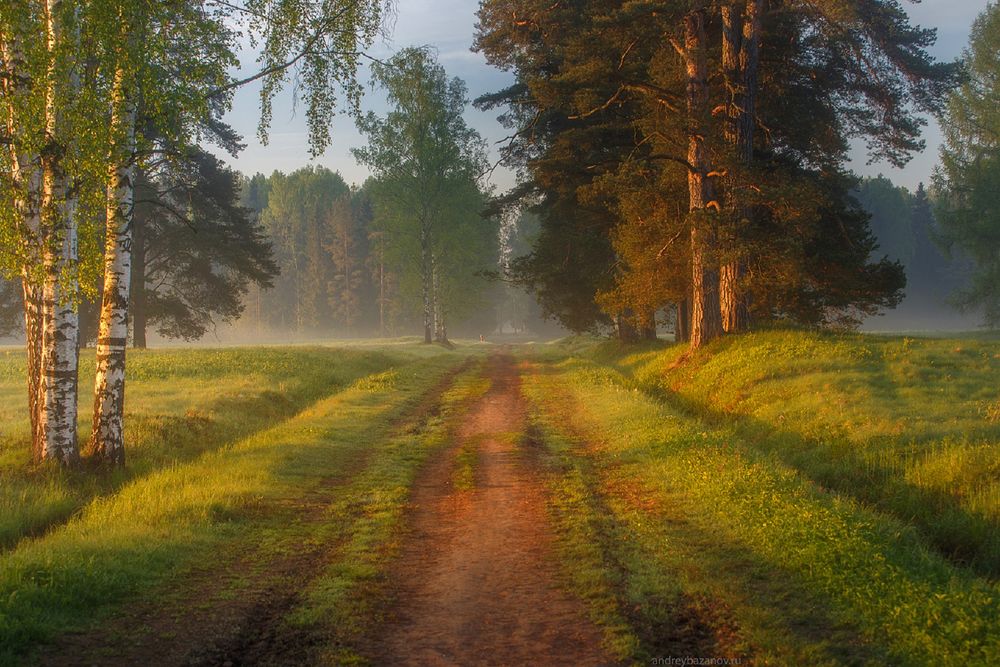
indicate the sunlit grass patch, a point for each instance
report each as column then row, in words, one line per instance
column 831, row 581
column 180, row 404
column 127, row 542
column 896, row 422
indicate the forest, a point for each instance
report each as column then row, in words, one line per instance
column 663, row 350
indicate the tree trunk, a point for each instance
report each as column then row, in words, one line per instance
column 60, row 326
column 706, row 321
column 682, row 325
column 58, row 224
column 440, row 331
column 33, row 346
column 741, row 47
column 381, row 289
column 107, row 442
column 427, row 269
column 750, row 66
column 26, row 179
column 624, row 329
column 648, row 332
column 733, row 298
column 137, row 288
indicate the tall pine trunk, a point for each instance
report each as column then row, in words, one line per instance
column 107, row 441
column 706, row 321
column 58, row 224
column 682, row 325
column 733, row 298
column 740, row 58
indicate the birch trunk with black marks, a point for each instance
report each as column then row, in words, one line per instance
column 58, row 231
column 59, row 357
column 706, row 321
column 26, row 182
column 107, row 441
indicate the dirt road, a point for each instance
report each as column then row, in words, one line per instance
column 476, row 582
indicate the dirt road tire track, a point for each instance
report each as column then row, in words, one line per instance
column 476, row 579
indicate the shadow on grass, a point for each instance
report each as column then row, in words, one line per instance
column 652, row 584
column 43, row 498
column 272, row 498
column 963, row 537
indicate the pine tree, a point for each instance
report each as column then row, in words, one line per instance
column 639, row 72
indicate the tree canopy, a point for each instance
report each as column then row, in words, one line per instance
column 607, row 132
column 968, row 180
column 427, row 165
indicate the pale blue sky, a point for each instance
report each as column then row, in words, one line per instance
column 448, row 25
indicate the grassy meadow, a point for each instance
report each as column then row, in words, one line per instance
column 785, row 497
column 227, row 449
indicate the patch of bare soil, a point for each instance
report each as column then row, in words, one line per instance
column 476, row 579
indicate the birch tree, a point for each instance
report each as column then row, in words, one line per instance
column 53, row 113
column 419, row 153
column 319, row 44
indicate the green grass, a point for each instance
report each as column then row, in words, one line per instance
column 784, row 497
column 908, row 426
column 343, row 603
column 180, row 405
column 186, row 495
column 689, row 511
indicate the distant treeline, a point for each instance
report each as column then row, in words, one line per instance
column 907, row 232
column 341, row 270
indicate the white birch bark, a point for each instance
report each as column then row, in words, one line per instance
column 60, row 322
column 25, row 178
column 32, row 300
column 107, row 438
column 60, row 331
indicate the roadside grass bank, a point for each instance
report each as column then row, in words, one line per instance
column 181, row 403
column 689, row 540
column 910, row 427
column 234, row 498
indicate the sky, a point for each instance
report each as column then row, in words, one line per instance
column 449, row 26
